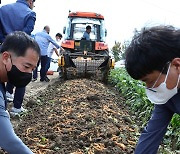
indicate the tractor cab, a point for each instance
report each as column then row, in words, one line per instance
column 85, row 57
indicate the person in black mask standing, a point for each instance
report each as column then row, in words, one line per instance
column 23, row 20
column 19, row 56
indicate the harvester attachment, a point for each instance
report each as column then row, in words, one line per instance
column 85, row 63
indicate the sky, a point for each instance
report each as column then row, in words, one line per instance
column 122, row 17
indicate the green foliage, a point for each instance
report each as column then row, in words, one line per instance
column 138, row 102
column 43, row 140
column 133, row 92
column 116, row 51
column 124, row 47
column 175, row 121
column 174, row 129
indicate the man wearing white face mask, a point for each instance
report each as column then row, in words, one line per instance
column 161, row 94
column 153, row 57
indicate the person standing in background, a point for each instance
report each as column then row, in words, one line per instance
column 17, row 16
column 43, row 39
column 51, row 49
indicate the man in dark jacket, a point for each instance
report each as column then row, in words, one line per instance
column 153, row 57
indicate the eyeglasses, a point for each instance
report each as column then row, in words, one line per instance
column 151, row 89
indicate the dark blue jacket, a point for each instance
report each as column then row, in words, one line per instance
column 16, row 17
column 153, row 133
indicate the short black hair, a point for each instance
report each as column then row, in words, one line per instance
column 151, row 49
column 18, row 42
column 88, row 27
column 59, row 35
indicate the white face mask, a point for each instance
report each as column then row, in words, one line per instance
column 58, row 40
column 161, row 94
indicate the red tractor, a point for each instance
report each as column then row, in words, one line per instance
column 85, row 58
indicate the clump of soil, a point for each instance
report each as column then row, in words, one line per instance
column 78, row 117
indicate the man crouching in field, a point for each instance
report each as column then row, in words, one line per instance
column 19, row 55
column 154, row 58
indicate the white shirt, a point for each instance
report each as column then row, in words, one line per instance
column 50, row 50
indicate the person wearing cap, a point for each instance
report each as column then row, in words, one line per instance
column 17, row 16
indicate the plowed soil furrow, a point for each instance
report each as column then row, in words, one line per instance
column 79, row 117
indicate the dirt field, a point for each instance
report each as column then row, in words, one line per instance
column 76, row 116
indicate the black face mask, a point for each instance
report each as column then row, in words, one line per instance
column 17, row 78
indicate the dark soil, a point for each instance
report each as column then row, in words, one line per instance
column 78, row 117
